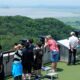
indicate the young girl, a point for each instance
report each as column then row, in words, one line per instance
column 17, row 66
column 38, row 53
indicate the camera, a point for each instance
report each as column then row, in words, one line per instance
column 42, row 39
column 24, row 42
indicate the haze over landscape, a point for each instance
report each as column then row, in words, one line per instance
column 31, row 3
column 40, row 8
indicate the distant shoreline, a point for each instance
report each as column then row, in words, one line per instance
column 40, row 12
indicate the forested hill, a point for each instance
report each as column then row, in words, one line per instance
column 14, row 28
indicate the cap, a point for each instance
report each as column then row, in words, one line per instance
column 72, row 33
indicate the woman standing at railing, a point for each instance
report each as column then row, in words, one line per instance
column 1, row 65
column 17, row 66
column 54, row 51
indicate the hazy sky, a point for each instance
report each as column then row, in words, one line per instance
column 39, row 2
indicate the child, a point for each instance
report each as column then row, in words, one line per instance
column 38, row 53
column 17, row 66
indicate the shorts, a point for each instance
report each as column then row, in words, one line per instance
column 17, row 69
column 54, row 56
column 37, row 66
column 27, row 67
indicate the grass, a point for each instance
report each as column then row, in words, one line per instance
column 71, row 72
column 65, row 72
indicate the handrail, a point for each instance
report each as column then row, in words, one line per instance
column 5, row 52
column 8, row 53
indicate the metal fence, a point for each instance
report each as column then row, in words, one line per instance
column 8, row 57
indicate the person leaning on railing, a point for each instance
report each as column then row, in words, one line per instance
column 54, row 51
column 17, row 66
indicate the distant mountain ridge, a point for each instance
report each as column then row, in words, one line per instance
column 12, row 29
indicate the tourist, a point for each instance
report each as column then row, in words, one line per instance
column 73, row 42
column 38, row 54
column 1, row 65
column 17, row 66
column 54, row 51
column 27, row 60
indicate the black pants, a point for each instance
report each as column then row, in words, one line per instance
column 72, row 57
column 2, row 76
column 18, row 77
column 27, row 67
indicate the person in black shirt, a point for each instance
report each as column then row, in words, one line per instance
column 1, row 65
column 27, row 60
column 38, row 54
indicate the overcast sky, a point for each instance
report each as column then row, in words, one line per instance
column 39, row 2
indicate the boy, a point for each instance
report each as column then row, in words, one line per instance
column 38, row 54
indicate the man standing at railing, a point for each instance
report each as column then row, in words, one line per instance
column 1, row 65
column 73, row 42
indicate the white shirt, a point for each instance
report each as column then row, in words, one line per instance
column 73, row 42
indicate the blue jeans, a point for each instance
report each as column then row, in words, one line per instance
column 54, row 56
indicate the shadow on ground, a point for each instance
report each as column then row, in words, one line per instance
column 59, row 69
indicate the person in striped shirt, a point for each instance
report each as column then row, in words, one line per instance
column 17, row 66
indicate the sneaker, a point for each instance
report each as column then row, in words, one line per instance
column 69, row 64
column 29, row 77
column 24, row 78
column 36, row 78
column 51, row 71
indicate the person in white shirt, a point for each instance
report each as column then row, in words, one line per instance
column 73, row 42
